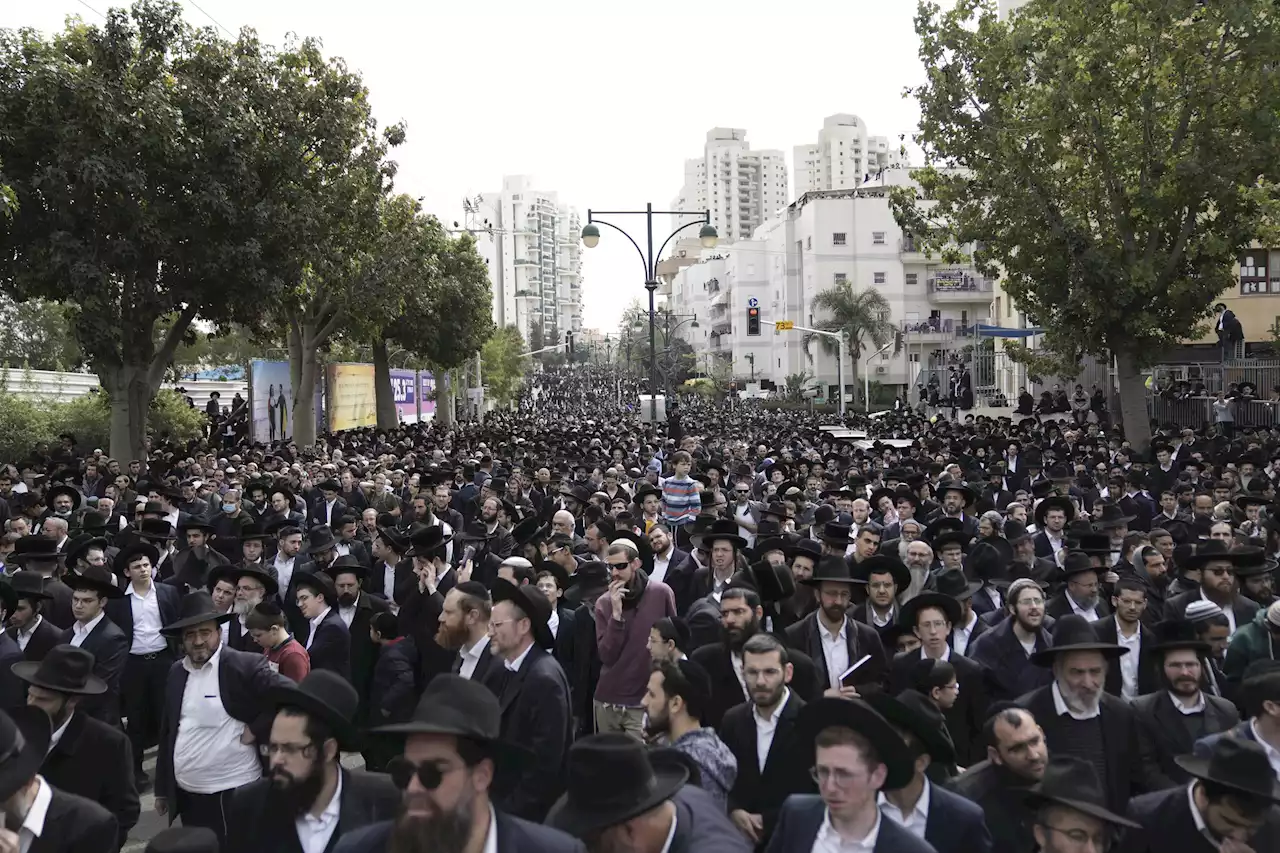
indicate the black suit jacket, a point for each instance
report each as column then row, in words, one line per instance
column 514, row 836
column 58, row 608
column 1044, row 548
column 1058, row 606
column 726, row 690
column 1009, row 671
column 537, row 714
column 861, row 640
column 1126, row 767
column 89, row 743
column 257, row 823
column 1148, row 664
column 330, row 645
column 801, row 817
column 1245, row 609
column 243, row 679
column 1167, row 824
column 13, row 690
column 110, row 650
column 364, row 652
column 954, row 824
column 786, row 767
column 45, row 637
column 566, row 646
column 1163, row 735
column 1002, row 798
column 966, row 717
column 74, row 824
column 120, row 610
column 316, row 513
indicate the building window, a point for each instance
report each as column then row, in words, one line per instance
column 841, row 277
column 912, row 278
column 879, row 278
column 877, row 238
column 838, row 238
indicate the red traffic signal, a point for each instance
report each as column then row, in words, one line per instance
column 753, row 321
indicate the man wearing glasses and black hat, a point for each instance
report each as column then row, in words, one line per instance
column 453, row 752
column 1071, row 813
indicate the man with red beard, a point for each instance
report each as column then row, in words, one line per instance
column 309, row 797
column 464, row 628
column 452, row 752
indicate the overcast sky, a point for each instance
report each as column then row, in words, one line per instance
column 601, row 103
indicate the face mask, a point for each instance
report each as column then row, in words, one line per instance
column 229, row 508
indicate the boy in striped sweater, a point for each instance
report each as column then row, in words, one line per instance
column 681, row 502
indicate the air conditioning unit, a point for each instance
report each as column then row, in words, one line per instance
column 881, row 370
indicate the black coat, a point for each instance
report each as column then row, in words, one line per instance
column 316, row 514
column 58, row 608
column 536, row 713
column 1163, row 735
column 1058, row 606
column 801, row 817
column 966, row 717
column 329, row 645
column 586, row 666
column 702, row 825
column 1148, row 663
column 110, row 651
column 566, row 645
column 1167, row 824
column 1002, row 798
column 364, row 652
column 76, row 825
column 45, row 637
column 786, row 767
column 514, row 836
column 1245, row 609
column 13, row 690
column 120, row 610
column 726, row 690
column 419, row 617
column 1126, row 768
column 954, row 824
column 393, row 692
column 90, row 743
column 861, row 640
column 256, row 823
column 1010, row 673
column 243, row 679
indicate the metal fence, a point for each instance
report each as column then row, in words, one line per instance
column 1197, row 412
column 995, row 375
column 1208, row 378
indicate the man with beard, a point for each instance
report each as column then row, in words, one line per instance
column 1016, row 759
column 833, row 640
column 252, row 585
column 1082, row 720
column 1211, row 628
column 1217, row 564
column 1257, row 580
column 498, row 540
column 1148, row 568
column 464, row 628
column 674, row 704
column 1172, row 719
column 452, row 752
column 309, row 800
column 1135, row 674
column 1005, row 650
column 1080, row 595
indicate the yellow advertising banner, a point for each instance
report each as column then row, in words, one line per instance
column 350, row 400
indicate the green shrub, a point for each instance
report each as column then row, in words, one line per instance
column 173, row 420
column 25, row 427
column 88, row 418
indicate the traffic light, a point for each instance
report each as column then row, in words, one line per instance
column 753, row 321
column 568, row 344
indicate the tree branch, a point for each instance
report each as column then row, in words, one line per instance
column 173, row 337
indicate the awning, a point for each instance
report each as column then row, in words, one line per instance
column 1002, row 332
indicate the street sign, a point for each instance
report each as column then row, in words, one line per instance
column 753, row 302
column 784, row 325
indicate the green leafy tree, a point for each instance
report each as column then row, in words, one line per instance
column 37, row 334
column 1110, row 158
column 863, row 317
column 504, row 364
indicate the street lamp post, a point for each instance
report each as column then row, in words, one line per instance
column 591, row 239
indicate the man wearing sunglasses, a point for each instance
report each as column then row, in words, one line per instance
column 452, row 755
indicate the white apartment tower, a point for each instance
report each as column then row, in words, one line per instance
column 742, row 188
column 843, row 157
column 534, row 251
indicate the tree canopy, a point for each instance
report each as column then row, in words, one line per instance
column 503, row 362
column 863, row 317
column 1110, row 159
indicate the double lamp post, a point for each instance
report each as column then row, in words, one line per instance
column 591, row 238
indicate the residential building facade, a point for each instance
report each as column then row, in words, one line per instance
column 843, row 157
column 741, row 187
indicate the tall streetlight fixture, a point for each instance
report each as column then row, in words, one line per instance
column 591, row 238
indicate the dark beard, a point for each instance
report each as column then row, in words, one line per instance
column 347, row 599
column 442, row 833
column 736, row 638
column 297, row 796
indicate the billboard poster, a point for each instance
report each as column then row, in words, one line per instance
column 351, row 400
column 271, row 401
column 404, row 389
column 427, row 389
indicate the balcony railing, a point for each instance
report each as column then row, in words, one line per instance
column 958, row 283
column 931, row 326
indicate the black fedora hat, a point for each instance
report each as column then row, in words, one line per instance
column 346, row 564
column 590, row 580
column 24, row 740
column 916, row 714
column 1112, row 516
column 29, row 585
column 1078, row 562
column 317, row 582
column 327, row 696
column 36, row 547
column 155, row 529
column 835, row 533
column 1061, row 502
column 1094, row 544
column 985, row 562
column 859, row 716
column 1015, row 531
column 120, row 564
column 883, row 564
column 95, row 523
column 942, row 524
column 1072, row 782
column 453, row 705
column 1074, row 633
column 1215, row 551
column 253, row 532
column 1263, row 565
column 577, row 492
column 721, row 528
column 532, row 603
column 321, row 539
column 196, row 608
column 929, row 598
column 962, row 489
column 642, row 546
column 426, row 539
column 183, row 839
column 235, row 571
column 611, row 779
column 810, row 548
column 70, row 491
column 953, row 582
column 1177, row 634
column 194, row 523
column 529, row 530
column 95, row 579
column 831, row 569
column 774, row 582
column 1238, row 764
column 77, row 546
column 64, row 669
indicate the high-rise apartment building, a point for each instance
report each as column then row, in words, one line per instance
column 742, row 188
column 532, row 244
column 844, row 156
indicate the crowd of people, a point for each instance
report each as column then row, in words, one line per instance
column 564, row 627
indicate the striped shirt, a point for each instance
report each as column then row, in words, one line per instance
column 680, row 501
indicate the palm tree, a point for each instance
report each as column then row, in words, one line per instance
column 862, row 316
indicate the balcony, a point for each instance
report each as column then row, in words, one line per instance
column 931, row 330
column 525, row 262
column 958, row 286
column 910, row 251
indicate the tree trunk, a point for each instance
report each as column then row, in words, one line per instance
column 384, row 396
column 444, row 398
column 130, row 393
column 302, row 374
column 1133, row 400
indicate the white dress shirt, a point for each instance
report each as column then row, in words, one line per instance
column 1129, row 662
column 553, row 623
column 471, row 656
column 491, row 839
column 514, row 665
column 1228, row 611
column 284, row 572
column 765, row 728
column 735, row 660
column 960, row 635
column 33, row 824
column 208, row 756
column 315, row 623
column 835, row 652
column 24, row 637
column 660, row 565
column 389, row 581
column 145, row 607
column 348, row 614
column 1091, row 614
column 914, row 822
column 671, row 833
column 57, row 735
column 1188, row 710
column 1273, row 754
column 829, row 841
column 328, row 514
column 1201, row 826
column 81, row 631
column 314, row 832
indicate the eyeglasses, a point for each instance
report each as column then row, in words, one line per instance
column 1080, row 838
column 838, row 776
column 430, row 774
column 288, row 750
